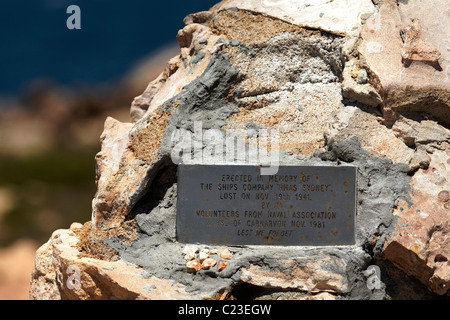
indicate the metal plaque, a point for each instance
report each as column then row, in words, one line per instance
column 236, row 205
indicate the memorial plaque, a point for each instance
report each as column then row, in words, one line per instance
column 236, row 205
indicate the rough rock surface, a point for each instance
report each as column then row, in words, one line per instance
column 343, row 17
column 406, row 50
column 326, row 86
column 421, row 244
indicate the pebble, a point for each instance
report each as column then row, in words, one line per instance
column 362, row 77
column 222, row 265
column 224, row 253
column 189, row 256
column 203, row 261
column 234, row 43
column 190, row 253
column 189, row 248
column 208, row 263
column 193, row 266
column 440, row 181
column 444, row 195
column 204, row 254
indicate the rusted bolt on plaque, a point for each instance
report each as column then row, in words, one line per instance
column 236, row 205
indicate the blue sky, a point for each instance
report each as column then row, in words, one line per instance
column 35, row 42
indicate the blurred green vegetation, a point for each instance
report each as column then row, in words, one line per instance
column 45, row 192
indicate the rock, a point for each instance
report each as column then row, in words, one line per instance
column 420, row 159
column 75, row 226
column 114, row 145
column 143, row 155
column 190, row 253
column 420, row 245
column 190, row 248
column 323, row 296
column 59, row 273
column 224, row 253
column 342, row 17
column 409, row 69
column 222, row 265
column 198, row 17
column 443, row 195
column 324, row 274
column 333, row 97
column 415, row 48
column 193, row 266
column 204, row 254
column 417, row 135
column 190, row 256
column 355, row 86
column 375, row 138
column 208, row 263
